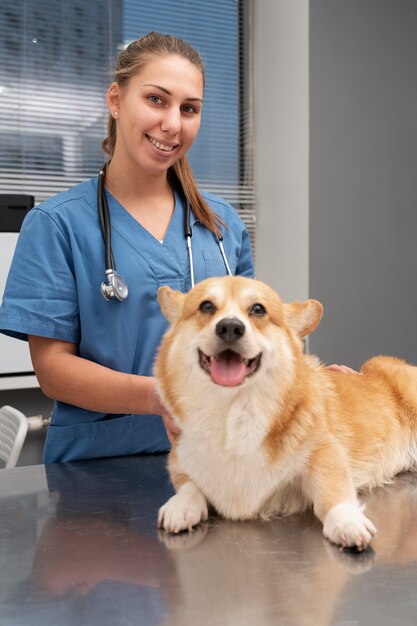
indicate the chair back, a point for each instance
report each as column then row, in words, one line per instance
column 13, row 429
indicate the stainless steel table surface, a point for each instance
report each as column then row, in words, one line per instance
column 79, row 546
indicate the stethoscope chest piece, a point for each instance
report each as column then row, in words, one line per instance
column 115, row 287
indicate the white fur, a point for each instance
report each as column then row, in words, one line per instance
column 240, row 486
column 184, row 510
column 346, row 525
column 247, row 424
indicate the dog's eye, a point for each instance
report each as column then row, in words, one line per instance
column 207, row 307
column 257, row 309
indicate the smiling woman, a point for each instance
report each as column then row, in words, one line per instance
column 100, row 375
column 156, row 125
column 152, row 124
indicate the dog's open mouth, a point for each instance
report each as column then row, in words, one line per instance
column 228, row 368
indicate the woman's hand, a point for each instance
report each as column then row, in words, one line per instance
column 344, row 369
column 172, row 429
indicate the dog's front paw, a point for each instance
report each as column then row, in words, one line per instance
column 183, row 541
column 347, row 526
column 182, row 512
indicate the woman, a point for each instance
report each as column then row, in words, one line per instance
column 92, row 356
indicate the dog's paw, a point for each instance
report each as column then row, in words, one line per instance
column 182, row 512
column 183, row 541
column 347, row 526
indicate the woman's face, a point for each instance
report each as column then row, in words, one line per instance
column 157, row 113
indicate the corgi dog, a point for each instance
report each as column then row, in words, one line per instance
column 266, row 430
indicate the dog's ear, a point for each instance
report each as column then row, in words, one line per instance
column 171, row 303
column 303, row 317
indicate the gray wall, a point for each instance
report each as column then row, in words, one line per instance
column 336, row 163
column 280, row 30
column 363, row 177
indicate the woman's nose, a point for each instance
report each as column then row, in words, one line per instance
column 171, row 122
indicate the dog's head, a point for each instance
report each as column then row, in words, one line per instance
column 232, row 328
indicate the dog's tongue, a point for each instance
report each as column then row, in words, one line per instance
column 228, row 369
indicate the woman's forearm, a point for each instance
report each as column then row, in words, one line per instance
column 67, row 377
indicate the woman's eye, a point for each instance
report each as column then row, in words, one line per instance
column 257, row 309
column 207, row 307
column 188, row 108
column 155, row 99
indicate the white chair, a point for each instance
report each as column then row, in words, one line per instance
column 13, row 429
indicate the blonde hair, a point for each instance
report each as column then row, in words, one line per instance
column 129, row 63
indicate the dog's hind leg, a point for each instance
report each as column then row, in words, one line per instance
column 330, row 486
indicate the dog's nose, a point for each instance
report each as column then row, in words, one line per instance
column 230, row 329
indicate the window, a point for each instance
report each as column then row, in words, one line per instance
column 55, row 66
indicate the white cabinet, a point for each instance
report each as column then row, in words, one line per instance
column 16, row 369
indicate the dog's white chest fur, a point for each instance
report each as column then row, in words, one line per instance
column 229, row 462
column 246, row 426
column 237, row 486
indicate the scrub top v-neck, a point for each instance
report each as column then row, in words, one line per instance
column 53, row 290
column 166, row 261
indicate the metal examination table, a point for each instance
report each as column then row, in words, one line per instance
column 79, row 546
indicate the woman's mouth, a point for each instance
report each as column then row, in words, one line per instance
column 162, row 146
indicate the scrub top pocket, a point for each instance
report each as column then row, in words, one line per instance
column 214, row 264
column 175, row 283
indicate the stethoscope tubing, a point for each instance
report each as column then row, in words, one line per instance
column 190, row 258
column 108, row 289
column 104, row 217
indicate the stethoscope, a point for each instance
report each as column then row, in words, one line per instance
column 115, row 285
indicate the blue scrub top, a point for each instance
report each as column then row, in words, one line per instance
column 53, row 290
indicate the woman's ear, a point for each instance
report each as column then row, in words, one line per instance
column 113, row 99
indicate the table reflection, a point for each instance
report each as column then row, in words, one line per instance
column 99, row 559
column 261, row 572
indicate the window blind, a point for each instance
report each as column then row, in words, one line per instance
column 55, row 65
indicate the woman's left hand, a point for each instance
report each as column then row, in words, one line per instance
column 344, row 369
column 172, row 429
